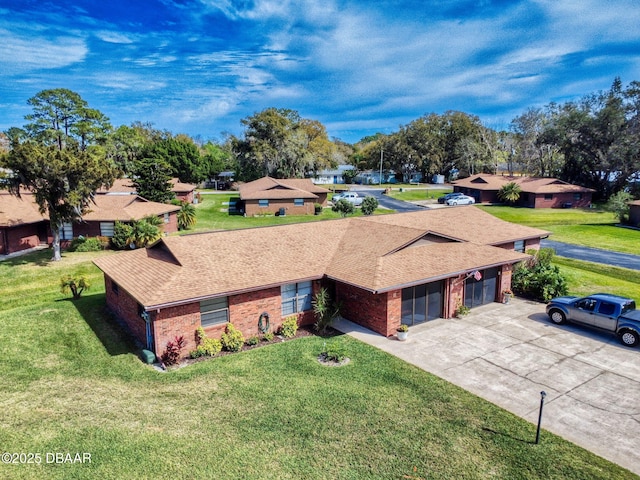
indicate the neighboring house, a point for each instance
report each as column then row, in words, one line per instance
column 23, row 227
column 293, row 196
column 536, row 192
column 334, row 176
column 385, row 270
column 105, row 210
column 634, row 213
column 122, row 186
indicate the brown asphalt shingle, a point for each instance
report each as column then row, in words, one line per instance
column 267, row 188
column 527, row 184
column 375, row 253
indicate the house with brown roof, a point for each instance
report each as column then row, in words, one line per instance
column 22, row 226
column 634, row 213
column 123, row 186
column 385, row 270
column 293, row 196
column 535, row 192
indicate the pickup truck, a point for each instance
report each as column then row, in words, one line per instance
column 351, row 197
column 601, row 310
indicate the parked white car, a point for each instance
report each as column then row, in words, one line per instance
column 461, row 200
column 351, row 197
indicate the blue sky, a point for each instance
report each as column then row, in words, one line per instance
column 359, row 67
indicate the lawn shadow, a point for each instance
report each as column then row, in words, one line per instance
column 506, row 435
column 111, row 333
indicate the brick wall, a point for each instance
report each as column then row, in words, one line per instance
column 377, row 312
column 168, row 323
column 126, row 309
column 19, row 238
column 252, row 208
column 557, row 200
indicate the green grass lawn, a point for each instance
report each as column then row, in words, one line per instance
column 70, row 382
column 410, row 194
column 212, row 214
column 588, row 227
column 586, row 278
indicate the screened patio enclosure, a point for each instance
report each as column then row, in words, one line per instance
column 422, row 303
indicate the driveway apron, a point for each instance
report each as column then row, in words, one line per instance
column 508, row 354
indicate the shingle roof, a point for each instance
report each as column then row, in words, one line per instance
column 124, row 208
column 527, row 184
column 124, row 186
column 376, row 253
column 17, row 211
column 267, row 188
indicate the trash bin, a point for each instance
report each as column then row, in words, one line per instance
column 282, row 212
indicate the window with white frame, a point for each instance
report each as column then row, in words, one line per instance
column 296, row 297
column 263, row 203
column 298, row 202
column 214, row 311
column 166, row 218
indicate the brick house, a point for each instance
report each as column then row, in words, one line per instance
column 22, row 226
column 269, row 195
column 122, row 186
column 385, row 270
column 535, row 192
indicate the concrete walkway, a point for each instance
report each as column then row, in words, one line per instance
column 508, row 354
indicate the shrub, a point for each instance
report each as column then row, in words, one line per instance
column 343, row 207
column 537, row 278
column 268, row 337
column 325, row 310
column 206, row 346
column 289, row 327
column 253, row 341
column 74, row 284
column 122, row 235
column 171, row 354
column 369, row 205
column 334, row 352
column 232, row 339
column 317, row 209
column 83, row 244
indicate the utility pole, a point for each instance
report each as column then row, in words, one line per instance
column 380, row 166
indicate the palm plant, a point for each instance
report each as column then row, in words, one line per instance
column 186, row 216
column 510, row 192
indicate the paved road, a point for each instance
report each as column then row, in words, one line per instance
column 624, row 260
column 385, row 201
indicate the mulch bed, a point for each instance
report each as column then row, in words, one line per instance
column 304, row 331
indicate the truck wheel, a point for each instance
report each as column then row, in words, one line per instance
column 557, row 317
column 629, row 338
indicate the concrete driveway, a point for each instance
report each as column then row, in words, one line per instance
column 508, row 354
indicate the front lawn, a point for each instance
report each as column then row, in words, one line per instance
column 586, row 278
column 587, row 227
column 212, row 214
column 71, row 383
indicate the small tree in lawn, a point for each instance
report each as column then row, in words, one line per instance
column 343, row 207
column 619, row 204
column 369, row 205
column 76, row 285
column 510, row 192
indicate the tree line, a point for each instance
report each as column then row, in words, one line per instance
column 67, row 150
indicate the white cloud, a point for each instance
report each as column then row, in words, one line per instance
column 114, row 37
column 19, row 54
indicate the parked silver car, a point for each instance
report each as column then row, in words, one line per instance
column 461, row 200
